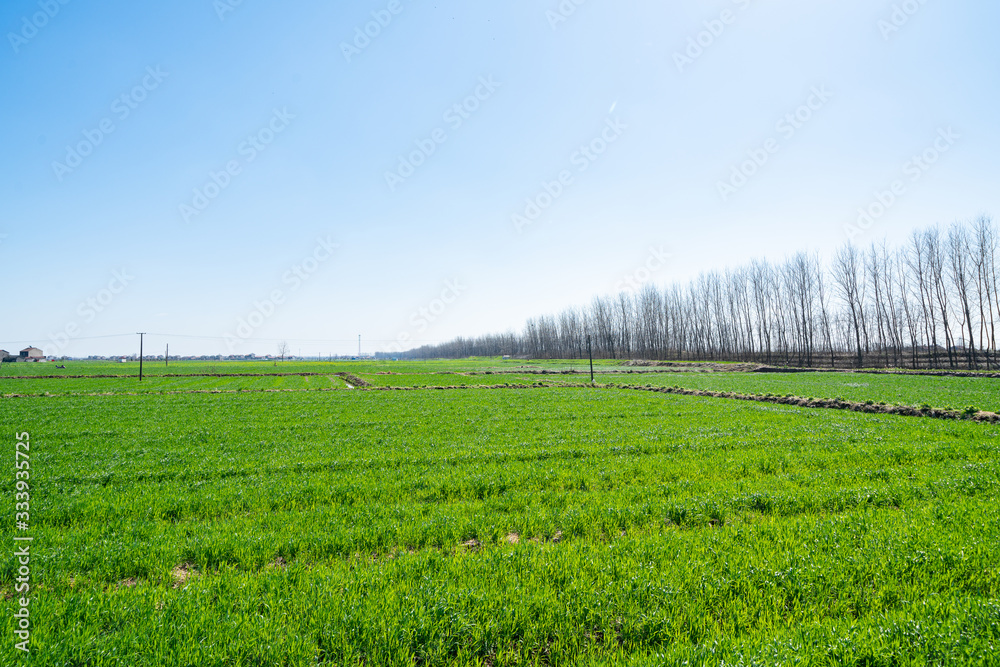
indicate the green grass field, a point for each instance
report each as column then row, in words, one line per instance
column 500, row 526
column 915, row 390
column 131, row 368
column 954, row 392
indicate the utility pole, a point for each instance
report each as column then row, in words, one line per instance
column 359, row 346
column 141, row 334
column 591, row 355
column 166, row 357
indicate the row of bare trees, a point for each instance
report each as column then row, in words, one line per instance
column 932, row 302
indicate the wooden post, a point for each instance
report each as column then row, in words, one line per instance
column 591, row 355
column 140, row 355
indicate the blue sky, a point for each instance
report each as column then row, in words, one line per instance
column 246, row 141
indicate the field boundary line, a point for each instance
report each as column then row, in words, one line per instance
column 695, row 369
column 829, row 404
column 179, row 375
column 367, row 387
column 709, row 369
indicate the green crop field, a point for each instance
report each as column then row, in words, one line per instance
column 528, row 524
column 131, row 368
column 40, row 386
column 954, row 392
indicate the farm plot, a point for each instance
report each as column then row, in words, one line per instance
column 915, row 390
column 456, row 378
column 269, row 367
column 503, row 526
column 166, row 384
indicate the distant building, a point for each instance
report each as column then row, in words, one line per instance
column 5, row 355
column 31, row 354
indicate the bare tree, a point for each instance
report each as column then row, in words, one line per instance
column 960, row 265
column 984, row 258
column 846, row 267
column 894, row 307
